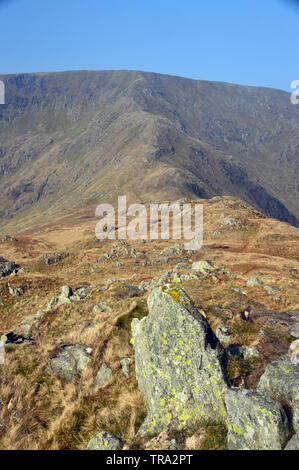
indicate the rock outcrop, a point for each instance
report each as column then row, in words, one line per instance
column 180, row 364
column 7, row 267
column 104, row 373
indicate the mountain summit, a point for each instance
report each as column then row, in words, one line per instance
column 71, row 140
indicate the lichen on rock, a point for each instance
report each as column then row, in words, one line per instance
column 281, row 381
column 180, row 364
column 255, row 421
column 105, row 441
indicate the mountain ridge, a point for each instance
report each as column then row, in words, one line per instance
column 70, row 140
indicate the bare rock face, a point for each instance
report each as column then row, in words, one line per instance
column 281, row 381
column 6, row 267
column 180, row 364
column 255, row 421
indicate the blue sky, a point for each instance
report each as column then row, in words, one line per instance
column 251, row 42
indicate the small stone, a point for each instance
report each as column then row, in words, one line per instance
column 105, row 441
column 174, row 445
column 101, row 307
column 16, row 291
column 204, row 267
column 230, row 221
column 295, row 330
column 16, row 416
column 66, row 291
column 224, row 334
column 294, row 352
column 271, row 290
column 249, row 352
column 238, row 291
column 102, row 376
column 253, row 281
column 125, row 365
column 70, row 361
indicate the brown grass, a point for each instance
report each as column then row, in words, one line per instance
column 39, row 411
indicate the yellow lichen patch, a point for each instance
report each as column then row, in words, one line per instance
column 176, row 292
column 236, row 429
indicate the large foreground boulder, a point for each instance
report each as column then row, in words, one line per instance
column 255, row 421
column 180, row 364
column 281, row 381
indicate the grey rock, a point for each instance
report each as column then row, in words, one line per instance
column 238, row 291
column 70, row 361
column 174, row 445
column 102, row 376
column 293, row 443
column 101, row 307
column 230, row 221
column 245, row 352
column 54, row 302
column 255, row 421
column 271, row 290
column 75, row 298
column 66, row 291
column 294, row 352
column 253, row 281
column 53, row 258
column 90, row 328
column 224, row 334
column 16, row 416
column 250, row 352
column 105, row 441
column 181, row 265
column 265, row 335
column 281, row 382
column 204, row 267
column 15, row 291
column 295, row 330
column 9, row 238
column 125, row 365
column 64, row 298
column 180, row 363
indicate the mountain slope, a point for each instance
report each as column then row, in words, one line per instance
column 70, row 140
